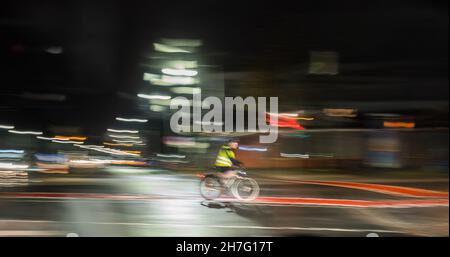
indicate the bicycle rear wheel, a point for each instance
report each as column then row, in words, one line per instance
column 210, row 187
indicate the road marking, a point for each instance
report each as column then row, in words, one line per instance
column 355, row 203
column 384, row 189
column 260, row 200
column 76, row 196
column 205, row 226
column 31, row 233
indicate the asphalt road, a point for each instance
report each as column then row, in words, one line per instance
column 146, row 202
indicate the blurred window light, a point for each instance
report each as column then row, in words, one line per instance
column 6, row 127
column 180, row 72
column 107, row 150
column 132, row 151
column 398, row 124
column 156, row 108
column 288, row 155
column 350, row 113
column 161, row 102
column 186, row 90
column 25, row 132
column 67, row 142
column 321, row 155
column 45, row 138
column 54, row 50
column 173, row 161
column 12, row 151
column 70, row 138
column 123, row 131
column 87, row 164
column 150, row 77
column 127, row 141
column 158, row 81
column 93, row 161
column 305, row 118
column 255, row 149
column 12, row 166
column 182, row 42
column 51, row 157
column 181, row 142
column 158, row 97
column 89, row 146
column 171, row 156
column 168, row 49
column 123, row 136
column 116, row 144
column 174, row 80
column 12, row 155
column 131, row 120
column 166, row 80
column 180, row 64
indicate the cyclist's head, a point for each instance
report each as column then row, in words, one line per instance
column 233, row 143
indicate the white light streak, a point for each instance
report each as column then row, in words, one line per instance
column 108, row 150
column 25, row 132
column 159, row 97
column 186, row 90
column 180, row 72
column 123, row 136
column 6, row 127
column 171, row 156
column 244, row 148
column 67, row 142
column 156, row 108
column 46, row 138
column 123, row 131
column 12, row 166
column 287, row 155
column 131, row 120
column 168, row 49
column 12, row 151
column 127, row 141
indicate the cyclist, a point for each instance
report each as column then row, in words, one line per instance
column 226, row 159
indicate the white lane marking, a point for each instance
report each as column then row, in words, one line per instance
column 31, row 233
column 205, row 226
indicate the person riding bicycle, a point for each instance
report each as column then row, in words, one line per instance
column 228, row 181
column 226, row 159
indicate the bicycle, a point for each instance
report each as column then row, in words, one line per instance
column 241, row 186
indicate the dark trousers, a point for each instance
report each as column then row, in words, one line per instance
column 223, row 169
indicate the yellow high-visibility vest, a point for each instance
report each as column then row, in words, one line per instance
column 223, row 158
